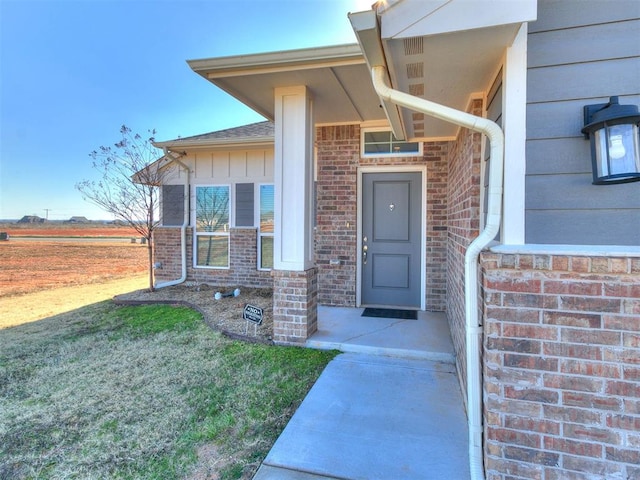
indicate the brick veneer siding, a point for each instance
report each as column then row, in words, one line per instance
column 166, row 252
column 243, row 260
column 463, row 214
column 436, row 157
column 295, row 307
column 338, row 150
column 561, row 366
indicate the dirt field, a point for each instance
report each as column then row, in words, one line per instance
column 58, row 229
column 28, row 266
column 40, row 278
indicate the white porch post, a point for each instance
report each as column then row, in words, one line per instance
column 294, row 274
column 515, row 139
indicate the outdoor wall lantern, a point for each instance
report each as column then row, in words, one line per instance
column 615, row 141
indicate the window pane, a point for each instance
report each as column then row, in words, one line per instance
column 385, row 143
column 212, row 209
column 405, row 147
column 377, row 137
column 266, row 208
column 374, row 148
column 213, row 251
column 266, row 252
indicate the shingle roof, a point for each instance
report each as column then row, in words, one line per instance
column 251, row 131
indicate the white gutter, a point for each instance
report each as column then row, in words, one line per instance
column 494, row 212
column 183, row 227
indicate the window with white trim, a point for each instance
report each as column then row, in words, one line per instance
column 212, row 226
column 381, row 143
column 265, row 231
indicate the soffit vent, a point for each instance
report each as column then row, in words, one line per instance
column 415, row 70
column 417, row 116
column 413, row 46
column 416, row 89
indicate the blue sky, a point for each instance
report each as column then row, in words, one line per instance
column 73, row 72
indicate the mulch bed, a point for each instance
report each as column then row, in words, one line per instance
column 224, row 315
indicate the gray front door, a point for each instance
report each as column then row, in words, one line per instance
column 391, row 237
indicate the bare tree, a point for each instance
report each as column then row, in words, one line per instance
column 129, row 184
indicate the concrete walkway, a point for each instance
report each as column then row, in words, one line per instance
column 375, row 416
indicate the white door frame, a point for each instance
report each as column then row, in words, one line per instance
column 423, row 215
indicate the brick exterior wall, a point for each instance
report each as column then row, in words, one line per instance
column 463, row 213
column 436, row 157
column 243, row 260
column 338, row 150
column 166, row 251
column 561, row 367
column 295, row 307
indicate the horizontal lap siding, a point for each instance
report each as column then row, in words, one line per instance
column 578, row 54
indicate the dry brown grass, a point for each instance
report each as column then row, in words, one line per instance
column 19, row 309
column 94, row 391
column 142, row 393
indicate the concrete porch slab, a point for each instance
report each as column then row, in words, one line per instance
column 344, row 329
column 375, row 417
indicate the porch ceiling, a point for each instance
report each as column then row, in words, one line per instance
column 442, row 50
column 338, row 78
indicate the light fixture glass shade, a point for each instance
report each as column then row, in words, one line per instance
column 616, row 153
column 615, row 141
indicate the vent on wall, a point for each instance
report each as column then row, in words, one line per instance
column 413, row 46
column 415, row 70
column 416, row 89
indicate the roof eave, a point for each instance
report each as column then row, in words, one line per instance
column 367, row 29
column 238, row 142
column 275, row 61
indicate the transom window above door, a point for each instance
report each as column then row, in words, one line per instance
column 379, row 143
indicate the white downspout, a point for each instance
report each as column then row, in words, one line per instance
column 183, row 227
column 494, row 212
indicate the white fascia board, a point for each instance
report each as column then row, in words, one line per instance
column 286, row 60
column 417, row 18
column 365, row 26
column 238, row 142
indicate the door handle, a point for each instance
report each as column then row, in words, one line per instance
column 364, row 253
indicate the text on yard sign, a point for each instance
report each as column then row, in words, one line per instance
column 252, row 314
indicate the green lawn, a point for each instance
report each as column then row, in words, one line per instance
column 148, row 392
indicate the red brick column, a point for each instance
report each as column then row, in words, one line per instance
column 562, row 366
column 295, row 306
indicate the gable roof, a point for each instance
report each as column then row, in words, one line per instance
column 254, row 134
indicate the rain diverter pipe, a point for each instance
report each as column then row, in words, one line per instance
column 494, row 212
column 183, row 227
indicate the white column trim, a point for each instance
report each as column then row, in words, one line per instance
column 515, row 133
column 293, row 179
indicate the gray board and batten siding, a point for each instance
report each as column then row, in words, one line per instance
column 580, row 52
